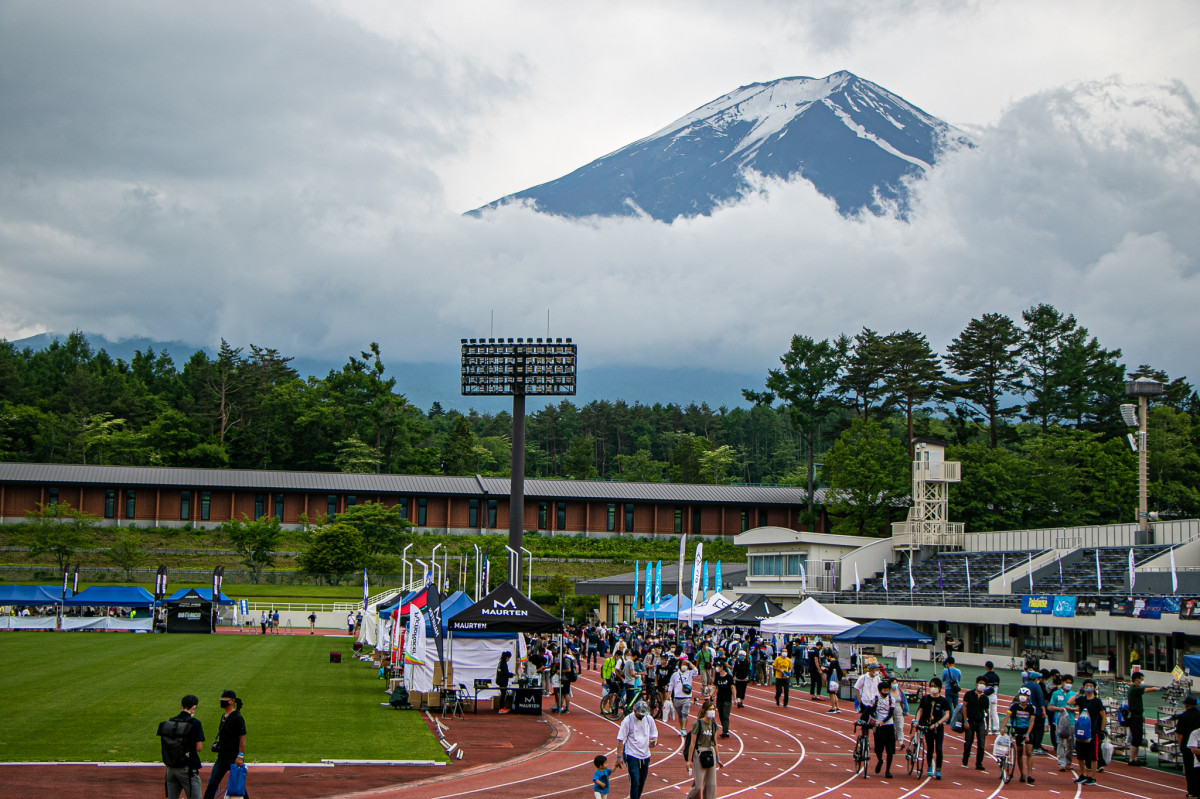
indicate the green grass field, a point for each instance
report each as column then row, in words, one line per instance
column 100, row 696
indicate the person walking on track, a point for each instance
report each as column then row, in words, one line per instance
column 741, row 676
column 680, row 689
column 975, row 723
column 636, row 736
column 888, row 716
column 783, row 675
column 723, row 683
column 701, row 755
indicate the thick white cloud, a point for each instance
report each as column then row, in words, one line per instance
column 279, row 178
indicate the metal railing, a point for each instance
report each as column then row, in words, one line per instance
column 1176, row 531
column 937, row 471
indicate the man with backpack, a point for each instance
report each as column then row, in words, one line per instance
column 182, row 736
column 951, row 678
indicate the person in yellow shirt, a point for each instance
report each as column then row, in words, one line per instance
column 783, row 676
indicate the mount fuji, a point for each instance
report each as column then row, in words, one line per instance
column 856, row 142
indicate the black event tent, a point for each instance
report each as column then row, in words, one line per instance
column 747, row 611
column 504, row 610
column 189, row 613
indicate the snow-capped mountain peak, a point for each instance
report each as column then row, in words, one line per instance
column 854, row 140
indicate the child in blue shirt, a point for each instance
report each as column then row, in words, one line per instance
column 600, row 776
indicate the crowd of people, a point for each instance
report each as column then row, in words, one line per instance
column 711, row 669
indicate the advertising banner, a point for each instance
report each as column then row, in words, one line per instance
column 1064, row 606
column 1189, row 608
column 1037, row 603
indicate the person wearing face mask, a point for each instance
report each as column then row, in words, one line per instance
column 888, row 717
column 230, row 745
column 932, row 716
column 1088, row 749
column 680, row 689
column 723, row 685
column 1022, row 714
column 1064, row 721
column 975, row 722
column 741, row 676
column 636, row 736
column 699, row 748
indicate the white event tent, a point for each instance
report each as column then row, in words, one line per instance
column 810, row 617
column 702, row 610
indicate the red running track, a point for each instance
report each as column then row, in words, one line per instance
column 800, row 752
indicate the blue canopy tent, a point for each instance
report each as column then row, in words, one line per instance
column 30, row 595
column 1191, row 665
column 205, row 594
column 882, row 631
column 669, row 608
column 121, row 596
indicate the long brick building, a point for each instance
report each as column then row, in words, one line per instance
column 163, row 497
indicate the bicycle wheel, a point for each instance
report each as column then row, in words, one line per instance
column 862, row 754
column 1007, row 768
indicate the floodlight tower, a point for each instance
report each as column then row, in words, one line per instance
column 1143, row 388
column 497, row 367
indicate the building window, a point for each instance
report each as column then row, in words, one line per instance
column 678, row 521
column 610, row 520
column 52, row 496
column 492, row 514
column 777, row 565
column 331, row 505
column 260, row 506
column 130, row 504
column 185, row 505
column 997, row 635
column 560, row 516
column 110, row 503
column 351, row 501
column 762, row 517
column 695, row 521
column 205, row 505
column 629, row 517
column 745, row 521
column 421, row 509
column 473, row 514
column 543, row 521
column 403, row 506
column 279, row 507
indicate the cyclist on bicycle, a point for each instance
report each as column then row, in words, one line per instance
column 1022, row 714
column 931, row 720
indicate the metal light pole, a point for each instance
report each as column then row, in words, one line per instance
column 1143, row 388
column 405, row 568
column 503, row 367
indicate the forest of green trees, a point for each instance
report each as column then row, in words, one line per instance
column 1030, row 407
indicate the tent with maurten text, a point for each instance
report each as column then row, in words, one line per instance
column 504, row 610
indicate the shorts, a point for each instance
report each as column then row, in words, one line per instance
column 1137, row 731
column 682, row 706
column 1019, row 736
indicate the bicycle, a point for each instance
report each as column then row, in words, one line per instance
column 862, row 747
column 915, row 756
column 1006, row 759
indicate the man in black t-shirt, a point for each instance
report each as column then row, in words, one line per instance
column 1137, row 716
column 186, row 780
column 723, row 682
column 231, row 743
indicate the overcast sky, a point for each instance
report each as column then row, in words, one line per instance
column 293, row 175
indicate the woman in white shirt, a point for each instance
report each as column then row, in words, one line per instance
column 680, row 689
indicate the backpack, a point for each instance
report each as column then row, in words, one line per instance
column 174, row 735
column 956, row 718
column 606, row 669
column 1083, row 727
column 568, row 675
column 1123, row 714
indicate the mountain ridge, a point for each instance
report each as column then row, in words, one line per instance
column 856, row 142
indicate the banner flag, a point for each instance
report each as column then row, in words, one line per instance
column 1029, row 566
column 366, row 593
column 1060, row 584
column 941, row 586
column 658, row 583
column 885, row 585
column 803, row 580
column 1174, row 575
column 434, row 603
column 967, row 563
column 1099, row 585
column 397, row 634
column 911, row 584
column 697, row 564
column 637, row 566
column 75, row 580
column 414, row 646
column 1132, row 573
column 679, row 576
column 1003, row 572
column 649, row 585
column 717, row 582
column 856, row 583
column 704, row 582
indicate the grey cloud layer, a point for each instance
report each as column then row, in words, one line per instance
column 178, row 176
